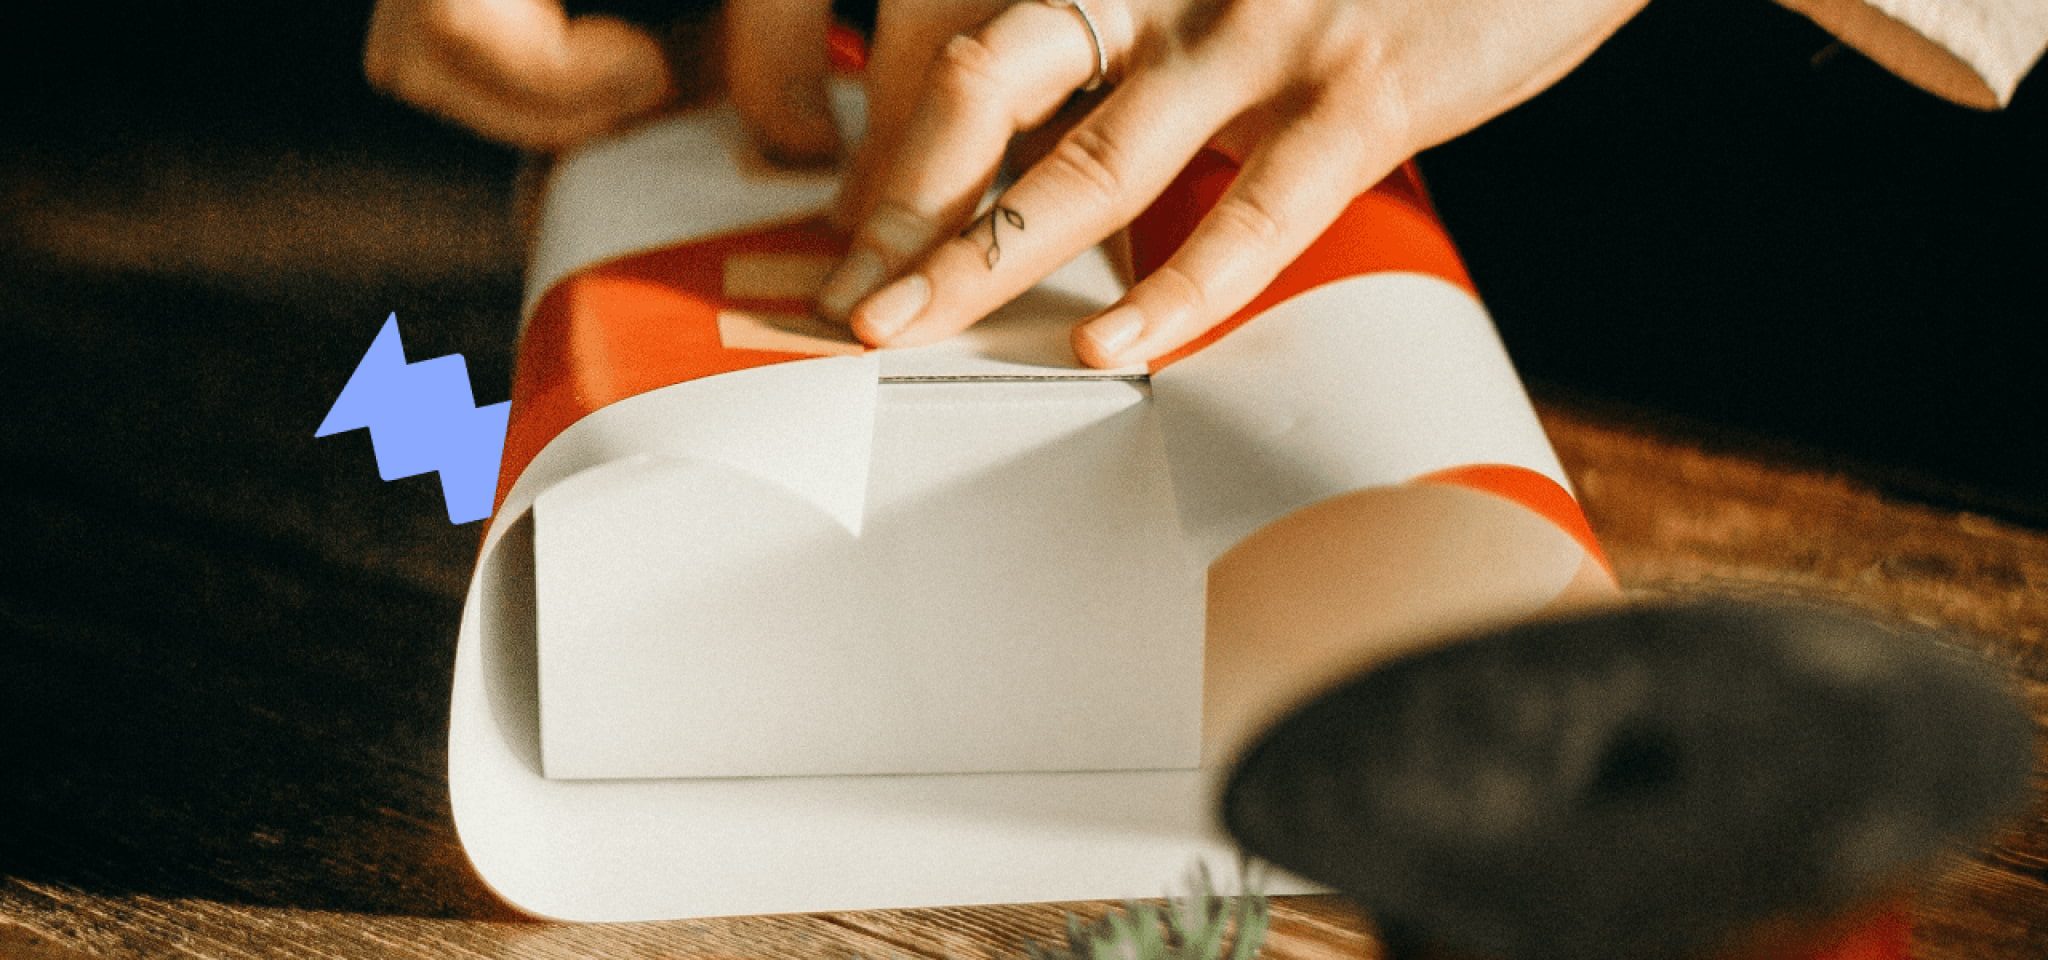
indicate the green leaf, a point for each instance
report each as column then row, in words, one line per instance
column 1197, row 926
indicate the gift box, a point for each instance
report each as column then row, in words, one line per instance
column 768, row 622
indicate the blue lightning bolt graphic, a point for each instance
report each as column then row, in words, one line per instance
column 422, row 417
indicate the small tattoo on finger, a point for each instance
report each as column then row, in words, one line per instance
column 996, row 215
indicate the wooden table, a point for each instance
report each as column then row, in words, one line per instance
column 227, row 648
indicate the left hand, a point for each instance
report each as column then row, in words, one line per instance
column 521, row 72
column 1319, row 99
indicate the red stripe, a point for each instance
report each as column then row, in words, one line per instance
column 638, row 323
column 635, row 324
column 1532, row 490
column 1388, row 228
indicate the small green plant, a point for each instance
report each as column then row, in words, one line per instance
column 1199, row 926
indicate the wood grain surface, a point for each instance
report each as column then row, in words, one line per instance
column 225, row 649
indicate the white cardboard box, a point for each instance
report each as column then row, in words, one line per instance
column 951, row 597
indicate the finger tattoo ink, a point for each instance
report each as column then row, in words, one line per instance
column 995, row 216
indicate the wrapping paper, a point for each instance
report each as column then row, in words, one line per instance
column 1350, row 463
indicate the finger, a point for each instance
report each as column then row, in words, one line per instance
column 1291, row 190
column 982, row 88
column 777, row 64
column 476, row 60
column 1099, row 176
column 908, row 37
column 532, row 52
column 492, row 114
column 903, row 48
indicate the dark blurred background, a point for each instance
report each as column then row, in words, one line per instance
column 1727, row 218
column 225, row 647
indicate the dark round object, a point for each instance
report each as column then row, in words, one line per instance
column 1643, row 782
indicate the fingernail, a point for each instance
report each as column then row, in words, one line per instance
column 849, row 282
column 890, row 310
column 1115, row 331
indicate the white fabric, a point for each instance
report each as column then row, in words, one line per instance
column 1974, row 52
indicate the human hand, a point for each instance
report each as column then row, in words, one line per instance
column 522, row 72
column 1318, row 99
column 518, row 71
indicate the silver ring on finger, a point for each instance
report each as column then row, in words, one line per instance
column 1101, row 74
